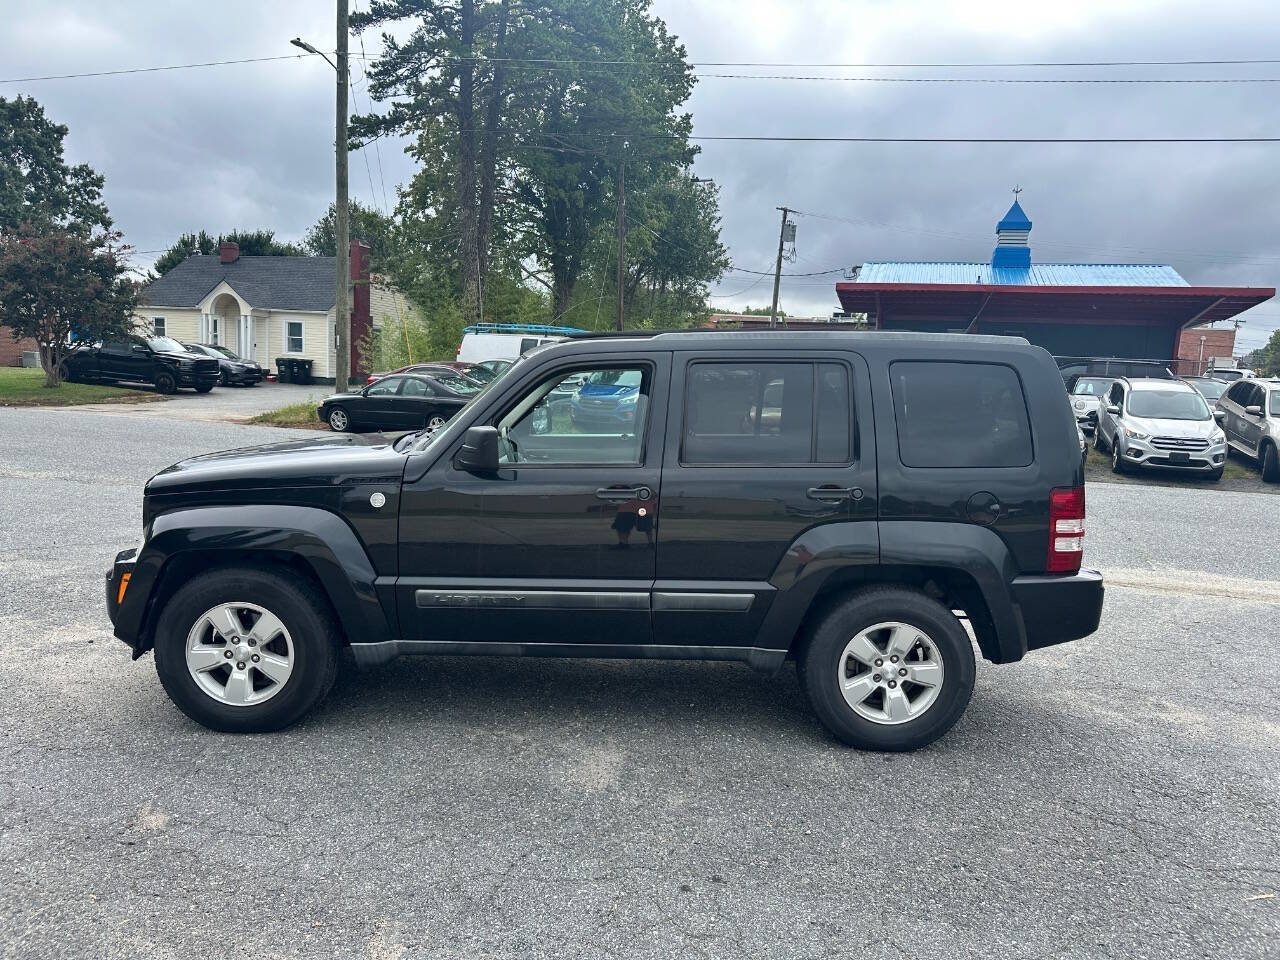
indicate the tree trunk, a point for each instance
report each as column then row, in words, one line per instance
column 489, row 149
column 50, row 362
column 470, row 249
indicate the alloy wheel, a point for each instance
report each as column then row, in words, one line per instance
column 890, row 673
column 338, row 420
column 240, row 654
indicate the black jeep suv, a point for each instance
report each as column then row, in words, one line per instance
column 850, row 501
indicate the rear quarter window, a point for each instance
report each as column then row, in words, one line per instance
column 960, row 414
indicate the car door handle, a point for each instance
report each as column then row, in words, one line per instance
column 623, row 494
column 833, row 494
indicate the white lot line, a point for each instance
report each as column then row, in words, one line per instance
column 1194, row 583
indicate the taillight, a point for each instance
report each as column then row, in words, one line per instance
column 1066, row 530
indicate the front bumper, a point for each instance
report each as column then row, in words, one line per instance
column 119, row 579
column 196, row 378
column 1141, row 453
column 246, row 377
column 1058, row 609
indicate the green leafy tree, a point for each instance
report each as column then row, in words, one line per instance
column 368, row 224
column 187, row 245
column 1268, row 364
column 252, row 243
column 36, row 184
column 56, row 283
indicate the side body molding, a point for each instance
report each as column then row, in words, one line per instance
column 322, row 539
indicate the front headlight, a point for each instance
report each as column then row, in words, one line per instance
column 1134, row 435
column 1217, row 438
column 1079, row 404
column 630, row 399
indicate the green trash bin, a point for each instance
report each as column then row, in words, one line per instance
column 284, row 369
column 302, row 371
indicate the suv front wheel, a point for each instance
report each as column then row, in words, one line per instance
column 244, row 650
column 888, row 669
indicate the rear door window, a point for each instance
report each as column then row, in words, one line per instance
column 960, row 415
column 767, row 413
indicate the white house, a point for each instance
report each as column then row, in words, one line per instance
column 266, row 307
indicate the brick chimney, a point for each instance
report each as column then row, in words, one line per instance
column 361, row 321
column 228, row 251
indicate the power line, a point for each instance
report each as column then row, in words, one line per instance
column 174, row 66
column 993, row 80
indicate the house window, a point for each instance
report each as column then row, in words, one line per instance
column 157, row 326
column 293, row 336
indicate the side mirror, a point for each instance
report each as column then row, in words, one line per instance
column 1253, row 410
column 479, row 453
column 1219, row 415
column 1113, row 409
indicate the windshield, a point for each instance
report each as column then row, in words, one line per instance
column 226, row 353
column 458, row 384
column 1210, row 389
column 1168, row 405
column 477, row 372
column 618, row 378
column 1091, row 386
column 165, row 345
column 1226, row 375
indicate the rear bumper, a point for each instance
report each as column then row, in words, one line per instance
column 1058, row 609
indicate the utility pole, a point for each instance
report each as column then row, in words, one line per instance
column 622, row 230
column 342, row 224
column 777, row 270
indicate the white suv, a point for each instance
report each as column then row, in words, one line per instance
column 1251, row 410
column 1160, row 425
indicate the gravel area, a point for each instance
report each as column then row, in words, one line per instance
column 1109, row 798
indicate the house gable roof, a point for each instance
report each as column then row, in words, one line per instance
column 266, row 283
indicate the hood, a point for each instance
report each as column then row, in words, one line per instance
column 1185, row 429
column 606, row 390
column 321, row 462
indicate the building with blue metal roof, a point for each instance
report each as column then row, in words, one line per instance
column 1131, row 310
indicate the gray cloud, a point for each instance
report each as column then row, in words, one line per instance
column 250, row 145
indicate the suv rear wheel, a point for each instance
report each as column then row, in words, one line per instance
column 1270, row 464
column 244, row 650
column 888, row 669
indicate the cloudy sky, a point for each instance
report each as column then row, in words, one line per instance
column 250, row 145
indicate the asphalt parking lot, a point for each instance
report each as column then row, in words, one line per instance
column 221, row 403
column 1111, row 798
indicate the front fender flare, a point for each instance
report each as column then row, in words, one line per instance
column 323, row 540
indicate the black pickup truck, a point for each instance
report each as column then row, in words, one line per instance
column 849, row 501
column 160, row 361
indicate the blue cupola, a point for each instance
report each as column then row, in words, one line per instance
column 1013, row 239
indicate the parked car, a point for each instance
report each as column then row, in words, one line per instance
column 160, row 361
column 1251, row 420
column 1208, row 388
column 494, row 366
column 433, row 369
column 409, row 401
column 507, row 341
column 607, row 398
column 844, row 534
column 1086, row 398
column 1084, row 445
column 1112, row 367
column 1160, row 425
column 1227, row 374
column 232, row 370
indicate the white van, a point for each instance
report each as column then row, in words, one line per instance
column 507, row 341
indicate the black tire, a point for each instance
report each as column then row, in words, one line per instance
column 1117, row 463
column 821, row 667
column 1216, row 475
column 165, row 383
column 1270, row 464
column 305, row 614
column 66, row 373
column 339, row 414
column 223, row 379
column 204, row 388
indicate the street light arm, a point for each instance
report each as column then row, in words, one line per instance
column 303, row 45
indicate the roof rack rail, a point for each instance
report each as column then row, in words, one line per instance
column 521, row 328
